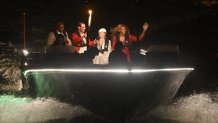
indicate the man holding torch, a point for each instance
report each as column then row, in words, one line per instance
column 79, row 38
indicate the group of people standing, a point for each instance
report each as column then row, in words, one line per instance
column 117, row 45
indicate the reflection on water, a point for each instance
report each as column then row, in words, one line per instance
column 24, row 110
column 197, row 108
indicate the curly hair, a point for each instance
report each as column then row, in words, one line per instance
column 116, row 29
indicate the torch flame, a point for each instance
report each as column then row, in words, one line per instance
column 90, row 18
column 90, row 12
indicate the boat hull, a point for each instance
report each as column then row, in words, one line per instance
column 106, row 91
column 112, row 91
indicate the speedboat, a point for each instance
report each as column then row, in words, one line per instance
column 111, row 91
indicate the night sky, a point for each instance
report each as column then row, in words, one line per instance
column 192, row 24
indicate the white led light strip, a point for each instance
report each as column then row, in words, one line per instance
column 104, row 70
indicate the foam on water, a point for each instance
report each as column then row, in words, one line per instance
column 25, row 110
column 197, row 108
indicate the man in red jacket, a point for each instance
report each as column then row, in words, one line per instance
column 79, row 39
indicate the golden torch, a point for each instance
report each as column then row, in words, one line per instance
column 90, row 19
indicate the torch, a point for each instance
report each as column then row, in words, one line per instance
column 90, row 19
column 89, row 26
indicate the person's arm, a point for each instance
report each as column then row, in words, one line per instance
column 145, row 27
column 132, row 38
column 69, row 43
column 50, row 39
column 113, row 43
column 109, row 46
column 91, row 43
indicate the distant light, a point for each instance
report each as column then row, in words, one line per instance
column 102, row 70
column 25, row 52
column 86, row 1
column 25, row 64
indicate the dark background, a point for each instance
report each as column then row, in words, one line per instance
column 190, row 24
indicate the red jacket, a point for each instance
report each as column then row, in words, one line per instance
column 125, row 50
column 77, row 41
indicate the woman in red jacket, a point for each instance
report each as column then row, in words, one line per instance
column 121, row 38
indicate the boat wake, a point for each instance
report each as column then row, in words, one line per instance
column 25, row 110
column 196, row 108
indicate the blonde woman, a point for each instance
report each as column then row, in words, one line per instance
column 121, row 38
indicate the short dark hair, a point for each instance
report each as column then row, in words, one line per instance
column 80, row 23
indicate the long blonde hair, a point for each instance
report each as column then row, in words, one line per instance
column 116, row 29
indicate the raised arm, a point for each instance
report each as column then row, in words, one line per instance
column 113, row 43
column 145, row 27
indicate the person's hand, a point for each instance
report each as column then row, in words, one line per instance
column 145, row 26
column 85, row 34
column 97, row 42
